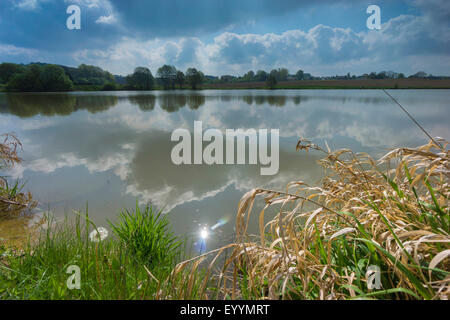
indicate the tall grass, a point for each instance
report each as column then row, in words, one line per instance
column 148, row 236
column 392, row 214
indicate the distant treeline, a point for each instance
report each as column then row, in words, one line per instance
column 47, row 77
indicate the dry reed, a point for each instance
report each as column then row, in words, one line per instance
column 13, row 202
column 392, row 213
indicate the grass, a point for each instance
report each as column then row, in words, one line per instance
column 322, row 240
column 148, row 236
column 134, row 262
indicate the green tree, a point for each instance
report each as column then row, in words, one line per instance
column 109, row 86
column 261, row 75
column 141, row 79
column 249, row 76
column 90, row 75
column 179, row 79
column 194, row 77
column 381, row 75
column 26, row 81
column 166, row 76
column 40, row 78
column 274, row 73
column 282, row 74
column 299, row 75
column 8, row 70
column 271, row 81
column 53, row 78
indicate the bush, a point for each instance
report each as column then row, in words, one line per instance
column 40, row 78
column 148, row 236
column 110, row 86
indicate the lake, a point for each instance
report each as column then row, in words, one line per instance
column 111, row 149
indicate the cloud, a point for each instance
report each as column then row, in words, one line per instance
column 12, row 50
column 183, row 18
column 119, row 36
column 106, row 19
column 27, row 4
column 405, row 44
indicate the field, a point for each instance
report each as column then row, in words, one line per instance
column 340, row 84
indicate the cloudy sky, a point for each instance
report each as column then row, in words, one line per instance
column 231, row 36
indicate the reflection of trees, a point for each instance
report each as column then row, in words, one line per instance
column 172, row 102
column 145, row 102
column 278, row 101
column 281, row 100
column 248, row 99
column 259, row 100
column 3, row 103
column 195, row 101
column 96, row 103
column 29, row 105
column 226, row 98
column 297, row 100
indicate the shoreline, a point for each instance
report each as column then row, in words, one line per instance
column 359, row 84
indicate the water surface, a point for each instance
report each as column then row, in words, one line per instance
column 111, row 149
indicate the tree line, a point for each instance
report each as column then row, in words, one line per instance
column 34, row 77
column 167, row 76
column 50, row 77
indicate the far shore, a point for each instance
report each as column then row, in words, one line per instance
column 304, row 84
column 340, row 84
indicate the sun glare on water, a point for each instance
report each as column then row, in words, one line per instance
column 204, row 233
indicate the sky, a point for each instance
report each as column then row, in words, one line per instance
column 326, row 37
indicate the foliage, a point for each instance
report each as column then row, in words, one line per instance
column 280, row 74
column 271, row 81
column 8, row 70
column 89, row 75
column 261, row 75
column 167, row 76
column 141, row 79
column 148, row 236
column 108, row 269
column 40, row 78
column 299, row 75
column 180, row 79
column 194, row 77
column 110, row 86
